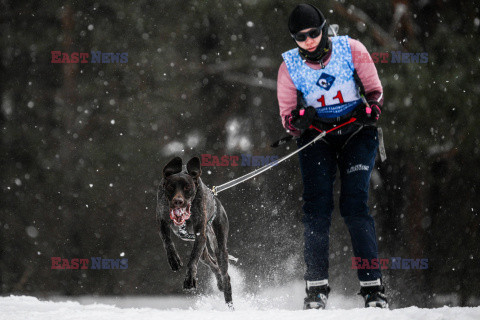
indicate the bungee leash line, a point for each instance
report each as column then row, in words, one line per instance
column 234, row 182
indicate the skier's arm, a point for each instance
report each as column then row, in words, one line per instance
column 367, row 73
column 287, row 98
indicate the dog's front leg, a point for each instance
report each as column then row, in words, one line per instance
column 198, row 247
column 173, row 258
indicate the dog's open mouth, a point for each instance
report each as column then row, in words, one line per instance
column 180, row 215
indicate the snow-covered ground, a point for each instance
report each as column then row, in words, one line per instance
column 23, row 307
column 280, row 303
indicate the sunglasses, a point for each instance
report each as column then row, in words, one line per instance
column 302, row 36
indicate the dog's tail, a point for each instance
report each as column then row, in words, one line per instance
column 232, row 258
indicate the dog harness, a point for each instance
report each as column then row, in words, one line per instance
column 331, row 90
column 185, row 235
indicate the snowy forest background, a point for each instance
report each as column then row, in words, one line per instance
column 83, row 145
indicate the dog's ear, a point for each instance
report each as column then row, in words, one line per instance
column 194, row 167
column 174, row 166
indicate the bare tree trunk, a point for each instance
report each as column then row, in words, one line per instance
column 356, row 15
column 402, row 27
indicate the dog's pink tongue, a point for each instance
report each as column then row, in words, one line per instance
column 176, row 214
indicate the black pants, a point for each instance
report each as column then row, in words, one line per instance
column 318, row 163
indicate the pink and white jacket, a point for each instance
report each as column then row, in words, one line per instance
column 287, row 92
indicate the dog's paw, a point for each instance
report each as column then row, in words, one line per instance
column 174, row 261
column 190, row 283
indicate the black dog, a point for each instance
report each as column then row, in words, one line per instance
column 188, row 207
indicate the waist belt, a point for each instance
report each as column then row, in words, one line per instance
column 351, row 129
column 338, row 120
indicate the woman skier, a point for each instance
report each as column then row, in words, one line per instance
column 321, row 84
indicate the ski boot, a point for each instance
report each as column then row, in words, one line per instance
column 316, row 297
column 374, row 296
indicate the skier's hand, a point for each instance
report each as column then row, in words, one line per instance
column 368, row 114
column 302, row 118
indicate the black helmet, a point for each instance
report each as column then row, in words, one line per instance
column 306, row 16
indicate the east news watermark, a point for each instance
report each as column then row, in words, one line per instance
column 244, row 160
column 95, row 263
column 393, row 263
column 89, row 57
column 390, row 57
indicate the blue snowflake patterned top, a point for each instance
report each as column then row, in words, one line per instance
column 332, row 90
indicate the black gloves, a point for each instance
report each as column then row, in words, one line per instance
column 368, row 115
column 302, row 118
